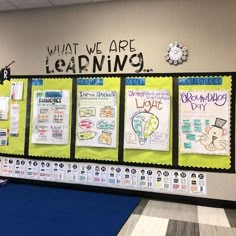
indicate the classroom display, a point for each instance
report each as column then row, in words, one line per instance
column 96, row 119
column 205, row 105
column 147, row 119
column 51, row 117
column 114, row 176
column 177, row 122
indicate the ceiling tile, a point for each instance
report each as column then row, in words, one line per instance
column 6, row 6
column 25, row 4
column 100, row 0
column 68, row 2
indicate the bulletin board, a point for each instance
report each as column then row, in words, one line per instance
column 16, row 140
column 123, row 102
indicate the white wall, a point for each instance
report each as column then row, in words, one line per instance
column 207, row 28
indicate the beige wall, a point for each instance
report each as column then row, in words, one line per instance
column 207, row 28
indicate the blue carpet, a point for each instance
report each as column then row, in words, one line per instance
column 39, row 210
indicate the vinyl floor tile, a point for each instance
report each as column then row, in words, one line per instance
column 141, row 206
column 174, row 211
column 211, row 230
column 150, row 226
column 212, row 216
column 129, row 225
column 231, row 215
column 182, row 228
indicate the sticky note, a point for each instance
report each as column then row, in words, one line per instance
column 198, row 129
column 191, row 137
column 186, row 128
column 187, row 145
column 197, row 122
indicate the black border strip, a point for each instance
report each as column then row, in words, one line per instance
column 73, row 119
column 121, row 120
column 28, row 113
column 175, row 118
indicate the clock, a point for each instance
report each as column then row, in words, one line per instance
column 176, row 53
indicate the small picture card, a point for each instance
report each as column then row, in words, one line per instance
column 17, row 90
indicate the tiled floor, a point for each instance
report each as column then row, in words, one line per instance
column 157, row 218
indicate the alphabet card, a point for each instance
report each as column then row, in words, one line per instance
column 204, row 124
column 97, row 118
column 147, row 119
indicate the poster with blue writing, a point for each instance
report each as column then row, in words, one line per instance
column 97, row 119
column 147, row 120
column 51, row 117
column 204, row 123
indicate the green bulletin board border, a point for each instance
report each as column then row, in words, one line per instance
column 121, row 119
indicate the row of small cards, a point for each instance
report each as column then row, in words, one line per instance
column 127, row 177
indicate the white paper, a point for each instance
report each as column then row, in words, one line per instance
column 14, row 119
column 35, row 170
column 4, row 133
column 179, row 181
column 17, row 90
column 8, row 167
column 29, row 171
column 166, row 180
column 97, row 119
column 204, row 122
column 97, row 176
column 198, row 184
column 147, row 119
column 142, row 178
column 51, row 117
column 4, row 108
column 104, row 175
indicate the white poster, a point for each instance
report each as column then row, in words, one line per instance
column 204, row 122
column 14, row 119
column 97, row 119
column 51, row 117
column 17, row 90
column 4, row 108
column 147, row 119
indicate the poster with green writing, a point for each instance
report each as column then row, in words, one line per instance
column 205, row 122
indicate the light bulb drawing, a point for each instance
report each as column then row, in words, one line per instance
column 144, row 124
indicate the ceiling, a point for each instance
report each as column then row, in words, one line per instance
column 9, row 5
